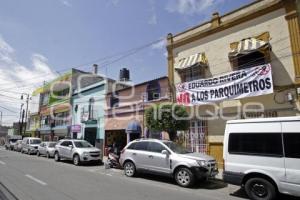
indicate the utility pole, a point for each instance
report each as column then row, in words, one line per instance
column 27, row 100
column 20, row 131
column 23, row 113
column 1, row 118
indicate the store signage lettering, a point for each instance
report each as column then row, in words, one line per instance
column 244, row 83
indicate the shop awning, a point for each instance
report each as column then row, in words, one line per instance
column 247, row 46
column 133, row 127
column 193, row 60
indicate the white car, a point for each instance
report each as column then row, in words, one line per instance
column 77, row 150
column 263, row 155
column 168, row 159
column 30, row 145
column 47, row 149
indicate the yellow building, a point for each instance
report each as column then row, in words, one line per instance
column 265, row 32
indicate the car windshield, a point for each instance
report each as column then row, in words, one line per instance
column 177, row 148
column 35, row 141
column 13, row 140
column 52, row 144
column 82, row 144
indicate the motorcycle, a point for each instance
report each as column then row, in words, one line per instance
column 113, row 159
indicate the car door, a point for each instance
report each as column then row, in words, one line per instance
column 68, row 149
column 62, row 148
column 140, row 155
column 41, row 148
column 157, row 161
column 291, row 139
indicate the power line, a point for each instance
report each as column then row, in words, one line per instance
column 8, row 109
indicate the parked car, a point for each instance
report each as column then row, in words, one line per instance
column 30, row 145
column 169, row 159
column 47, row 149
column 263, row 156
column 18, row 146
column 11, row 140
column 77, row 150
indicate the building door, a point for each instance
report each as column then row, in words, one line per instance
column 197, row 138
column 216, row 151
column 90, row 135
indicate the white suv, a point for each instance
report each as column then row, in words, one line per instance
column 263, row 155
column 77, row 150
column 167, row 158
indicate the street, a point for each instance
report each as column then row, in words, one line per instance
column 35, row 178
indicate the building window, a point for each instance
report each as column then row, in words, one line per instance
column 153, row 91
column 91, row 108
column 250, row 52
column 191, row 74
column 45, row 121
column 62, row 119
column 114, row 100
column 45, row 99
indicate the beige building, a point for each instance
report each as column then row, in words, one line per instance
column 265, row 31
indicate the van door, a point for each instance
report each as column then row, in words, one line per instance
column 291, row 138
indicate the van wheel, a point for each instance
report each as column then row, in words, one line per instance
column 129, row 169
column 260, row 189
column 184, row 177
column 56, row 157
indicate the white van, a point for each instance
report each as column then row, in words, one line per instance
column 263, row 156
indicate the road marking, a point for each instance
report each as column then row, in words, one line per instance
column 108, row 174
column 2, row 163
column 35, row 179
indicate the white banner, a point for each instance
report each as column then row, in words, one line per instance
column 249, row 82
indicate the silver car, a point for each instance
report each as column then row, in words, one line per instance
column 30, row 145
column 76, row 150
column 47, row 149
column 18, row 146
column 169, row 159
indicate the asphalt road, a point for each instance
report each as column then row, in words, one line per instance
column 39, row 178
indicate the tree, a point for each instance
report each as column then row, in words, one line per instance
column 167, row 117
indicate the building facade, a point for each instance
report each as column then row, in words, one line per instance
column 262, row 34
column 124, row 113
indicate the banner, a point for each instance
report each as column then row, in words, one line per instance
column 244, row 83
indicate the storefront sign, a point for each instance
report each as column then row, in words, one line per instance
column 76, row 128
column 244, row 83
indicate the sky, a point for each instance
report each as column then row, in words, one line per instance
column 41, row 39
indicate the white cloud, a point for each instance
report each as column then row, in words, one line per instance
column 66, row 3
column 159, row 45
column 153, row 17
column 191, row 7
column 16, row 78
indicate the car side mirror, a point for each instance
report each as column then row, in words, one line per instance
column 71, row 146
column 165, row 152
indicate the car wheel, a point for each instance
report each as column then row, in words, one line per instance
column 129, row 169
column 76, row 160
column 56, row 157
column 48, row 155
column 38, row 153
column 184, row 177
column 260, row 189
column 28, row 152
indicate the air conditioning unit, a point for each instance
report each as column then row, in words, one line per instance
column 156, row 95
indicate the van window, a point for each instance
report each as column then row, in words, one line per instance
column 291, row 145
column 261, row 144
